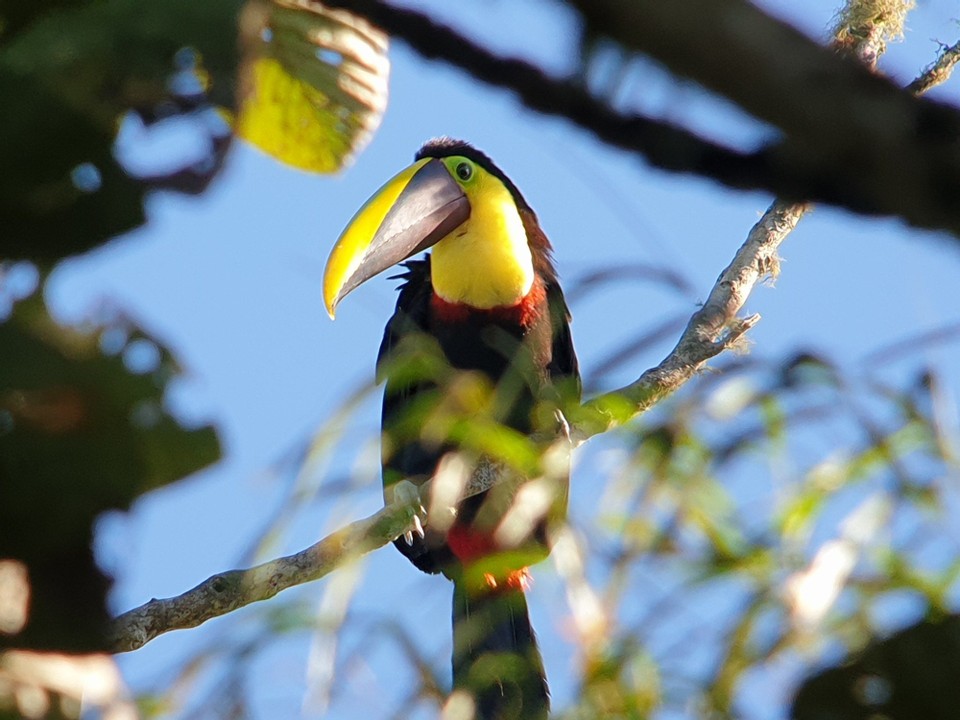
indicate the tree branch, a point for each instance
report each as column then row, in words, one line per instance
column 716, row 326
column 665, row 145
column 939, row 72
column 853, row 139
column 228, row 591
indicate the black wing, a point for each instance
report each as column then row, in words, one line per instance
column 564, row 369
column 408, row 460
column 410, row 315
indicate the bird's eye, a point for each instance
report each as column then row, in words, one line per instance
column 464, row 171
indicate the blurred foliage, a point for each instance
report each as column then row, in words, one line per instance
column 83, row 429
column 912, row 674
column 73, row 72
column 313, row 82
column 313, row 87
column 83, row 424
column 772, row 517
column 58, row 686
column 835, row 552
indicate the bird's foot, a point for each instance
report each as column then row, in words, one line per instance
column 409, row 494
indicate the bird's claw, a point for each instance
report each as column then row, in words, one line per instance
column 406, row 492
column 562, row 422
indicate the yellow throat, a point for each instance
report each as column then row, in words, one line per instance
column 486, row 262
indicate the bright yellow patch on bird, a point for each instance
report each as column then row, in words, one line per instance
column 486, row 262
column 353, row 243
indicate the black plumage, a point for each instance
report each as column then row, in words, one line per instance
column 525, row 352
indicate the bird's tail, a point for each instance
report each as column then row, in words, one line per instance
column 495, row 654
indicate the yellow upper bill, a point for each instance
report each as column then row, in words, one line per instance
column 353, row 243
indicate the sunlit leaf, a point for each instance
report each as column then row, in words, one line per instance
column 314, row 82
column 800, row 511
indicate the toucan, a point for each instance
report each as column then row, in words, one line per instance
column 486, row 301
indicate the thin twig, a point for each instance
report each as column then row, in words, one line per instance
column 714, row 328
column 939, row 72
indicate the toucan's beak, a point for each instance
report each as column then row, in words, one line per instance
column 414, row 210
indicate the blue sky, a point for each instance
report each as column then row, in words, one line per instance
column 231, row 281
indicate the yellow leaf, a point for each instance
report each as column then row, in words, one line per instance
column 313, row 84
